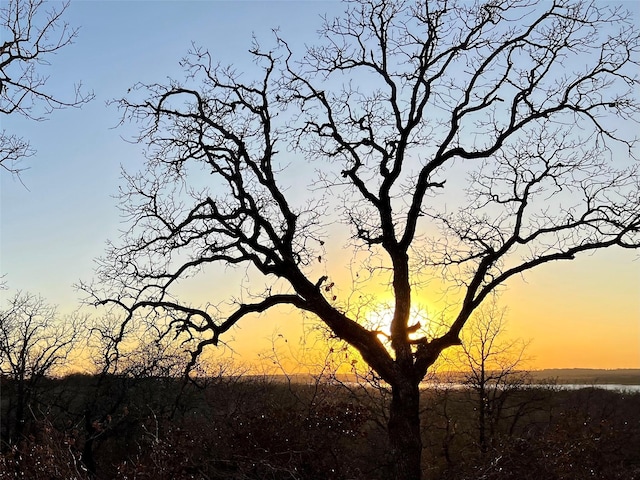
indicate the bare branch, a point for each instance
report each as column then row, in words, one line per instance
column 31, row 35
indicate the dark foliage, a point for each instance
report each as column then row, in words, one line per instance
column 259, row 428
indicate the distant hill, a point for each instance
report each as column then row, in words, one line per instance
column 581, row 376
column 622, row 376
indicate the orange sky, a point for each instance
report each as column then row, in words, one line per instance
column 584, row 313
column 577, row 314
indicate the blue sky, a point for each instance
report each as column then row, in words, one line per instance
column 55, row 225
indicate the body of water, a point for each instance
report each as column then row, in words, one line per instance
column 617, row 387
column 577, row 386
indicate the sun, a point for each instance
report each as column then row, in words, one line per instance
column 379, row 319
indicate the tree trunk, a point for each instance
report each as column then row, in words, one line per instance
column 482, row 420
column 87, row 457
column 20, row 408
column 482, row 408
column 404, row 430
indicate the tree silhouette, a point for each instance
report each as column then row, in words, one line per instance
column 494, row 367
column 471, row 142
column 35, row 341
column 31, row 35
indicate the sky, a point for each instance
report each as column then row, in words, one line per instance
column 55, row 220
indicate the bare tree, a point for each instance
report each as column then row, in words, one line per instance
column 146, row 369
column 35, row 341
column 470, row 140
column 494, row 368
column 32, row 32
